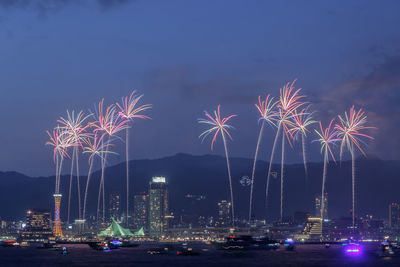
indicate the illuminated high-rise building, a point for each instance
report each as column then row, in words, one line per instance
column 224, row 213
column 158, row 206
column 38, row 227
column 394, row 215
column 140, row 210
column 318, row 206
column 115, row 205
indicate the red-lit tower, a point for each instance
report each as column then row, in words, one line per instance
column 57, row 221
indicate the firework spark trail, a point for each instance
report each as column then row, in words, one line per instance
column 327, row 138
column 303, row 145
column 353, row 184
column 78, row 183
column 282, row 169
column 60, row 141
column 289, row 101
column 74, row 126
column 86, row 189
column 129, row 111
column 301, row 122
column 270, row 166
column 70, row 183
column 254, row 169
column 229, row 175
column 349, row 130
column 94, row 148
column 266, row 110
column 219, row 125
column 110, row 122
column 101, row 186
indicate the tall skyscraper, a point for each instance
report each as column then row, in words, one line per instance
column 318, row 206
column 394, row 215
column 158, row 206
column 140, row 211
column 224, row 213
column 38, row 227
column 115, row 205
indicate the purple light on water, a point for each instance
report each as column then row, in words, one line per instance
column 353, row 250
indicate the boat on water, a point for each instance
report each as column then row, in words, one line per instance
column 112, row 244
column 385, row 249
column 247, row 242
column 9, row 243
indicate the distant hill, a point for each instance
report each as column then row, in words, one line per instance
column 377, row 184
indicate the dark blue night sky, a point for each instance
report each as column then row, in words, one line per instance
column 187, row 57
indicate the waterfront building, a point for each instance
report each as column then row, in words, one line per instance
column 140, row 210
column 115, row 205
column 394, row 216
column 158, row 206
column 38, row 226
column 312, row 230
column 318, row 206
column 224, row 214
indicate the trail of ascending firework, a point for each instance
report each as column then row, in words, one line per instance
column 60, row 141
column 327, row 138
column 349, row 130
column 95, row 147
column 111, row 123
column 129, row 111
column 266, row 109
column 219, row 125
column 288, row 102
column 74, row 126
column 302, row 120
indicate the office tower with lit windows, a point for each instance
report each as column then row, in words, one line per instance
column 158, row 206
column 140, row 211
column 224, row 214
column 38, row 226
column 115, row 205
column 394, row 216
column 318, row 206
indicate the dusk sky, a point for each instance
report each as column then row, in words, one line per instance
column 190, row 56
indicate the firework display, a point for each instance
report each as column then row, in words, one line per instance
column 268, row 115
column 74, row 125
column 129, row 111
column 291, row 117
column 109, row 122
column 217, row 126
column 327, row 138
column 78, row 133
column 350, row 130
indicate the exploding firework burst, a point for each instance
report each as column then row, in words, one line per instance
column 94, row 146
column 327, row 138
column 349, row 130
column 110, row 122
column 74, row 124
column 289, row 101
column 129, row 111
column 302, row 121
column 266, row 108
column 219, row 126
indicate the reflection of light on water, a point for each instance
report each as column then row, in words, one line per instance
column 353, row 249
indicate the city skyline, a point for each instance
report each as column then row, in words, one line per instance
column 139, row 132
